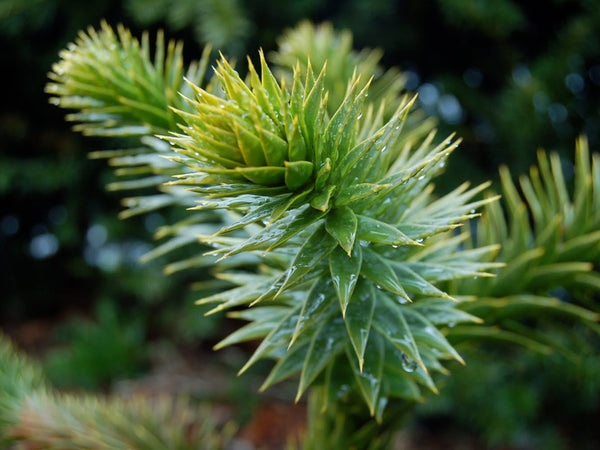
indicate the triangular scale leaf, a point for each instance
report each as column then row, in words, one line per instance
column 345, row 272
column 296, row 144
column 249, row 145
column 316, row 303
column 357, row 192
column 444, row 315
column 369, row 379
column 376, row 269
column 415, row 283
column 424, row 331
column 275, row 339
column 279, row 232
column 297, row 173
column 265, row 176
column 290, row 364
column 389, row 321
column 341, row 224
column 340, row 133
column 402, row 387
column 249, row 332
column 321, row 200
column 326, row 343
column 373, row 230
column 358, row 318
column 256, row 214
column 316, row 248
column 292, row 202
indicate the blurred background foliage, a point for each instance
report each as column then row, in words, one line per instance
column 509, row 76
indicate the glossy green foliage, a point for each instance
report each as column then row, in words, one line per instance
column 357, row 241
column 120, row 91
column 118, row 87
column 333, row 200
column 317, row 198
column 551, row 246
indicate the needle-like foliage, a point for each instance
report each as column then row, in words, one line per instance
column 33, row 415
column 123, row 90
column 338, row 206
column 119, row 90
column 319, row 45
column 344, row 261
column 18, row 378
column 351, row 216
column 551, row 246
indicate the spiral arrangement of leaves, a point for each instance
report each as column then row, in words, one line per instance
column 313, row 192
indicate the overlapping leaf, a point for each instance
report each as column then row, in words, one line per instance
column 550, row 243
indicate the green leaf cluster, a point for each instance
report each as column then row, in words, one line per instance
column 317, row 197
column 551, row 247
column 346, row 209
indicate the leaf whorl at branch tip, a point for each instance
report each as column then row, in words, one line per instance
column 342, row 198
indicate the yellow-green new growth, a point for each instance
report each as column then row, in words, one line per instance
column 344, row 208
column 330, row 209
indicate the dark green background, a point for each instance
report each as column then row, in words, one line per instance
column 509, row 76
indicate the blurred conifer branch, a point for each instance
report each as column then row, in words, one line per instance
column 35, row 416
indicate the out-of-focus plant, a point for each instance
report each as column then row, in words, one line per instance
column 33, row 415
column 544, row 298
column 316, row 46
column 550, row 239
column 93, row 354
column 323, row 215
column 223, row 23
column 18, row 378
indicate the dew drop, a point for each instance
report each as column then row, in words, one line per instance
column 408, row 364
